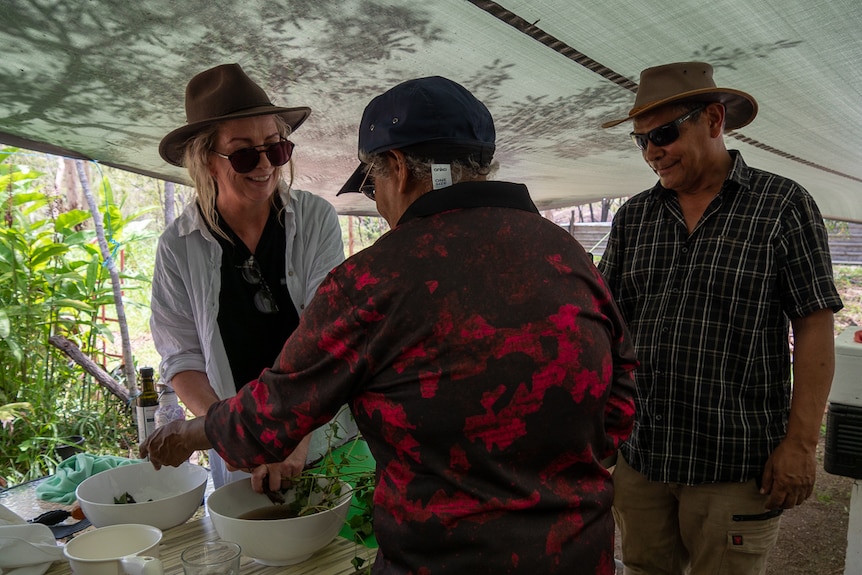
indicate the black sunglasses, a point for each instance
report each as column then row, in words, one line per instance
column 368, row 188
column 663, row 135
column 247, row 159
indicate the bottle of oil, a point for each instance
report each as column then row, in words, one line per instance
column 147, row 403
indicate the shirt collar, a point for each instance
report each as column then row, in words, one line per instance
column 476, row 194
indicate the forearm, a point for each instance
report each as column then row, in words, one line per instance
column 194, row 390
column 813, row 367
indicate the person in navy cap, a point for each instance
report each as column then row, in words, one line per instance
column 478, row 348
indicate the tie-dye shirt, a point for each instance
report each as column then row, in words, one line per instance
column 489, row 370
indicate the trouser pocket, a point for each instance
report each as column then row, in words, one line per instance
column 749, row 541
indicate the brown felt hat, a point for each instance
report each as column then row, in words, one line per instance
column 689, row 81
column 218, row 94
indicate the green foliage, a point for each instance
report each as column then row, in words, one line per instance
column 359, row 232
column 53, row 282
column 848, row 280
column 323, row 483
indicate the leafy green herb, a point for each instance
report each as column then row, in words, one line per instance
column 124, row 498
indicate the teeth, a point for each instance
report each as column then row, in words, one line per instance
column 260, row 178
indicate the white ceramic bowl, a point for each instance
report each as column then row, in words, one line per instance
column 130, row 548
column 273, row 541
column 164, row 498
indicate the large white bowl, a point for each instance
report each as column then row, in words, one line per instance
column 273, row 541
column 165, row 498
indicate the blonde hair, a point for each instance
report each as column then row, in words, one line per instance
column 196, row 160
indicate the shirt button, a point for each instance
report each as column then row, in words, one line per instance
column 658, row 417
column 290, row 273
column 684, row 250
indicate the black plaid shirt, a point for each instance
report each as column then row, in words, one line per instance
column 710, row 312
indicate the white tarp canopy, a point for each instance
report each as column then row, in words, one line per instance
column 105, row 80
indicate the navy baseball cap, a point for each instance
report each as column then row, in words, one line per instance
column 431, row 117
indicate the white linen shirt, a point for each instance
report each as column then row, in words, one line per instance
column 186, row 285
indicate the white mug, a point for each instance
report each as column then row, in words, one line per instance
column 128, row 549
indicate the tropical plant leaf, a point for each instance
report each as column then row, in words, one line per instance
column 44, row 254
column 12, row 411
column 72, row 303
column 66, row 222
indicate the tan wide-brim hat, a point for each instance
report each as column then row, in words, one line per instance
column 689, row 81
column 218, row 94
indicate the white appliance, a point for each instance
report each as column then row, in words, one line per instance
column 844, row 435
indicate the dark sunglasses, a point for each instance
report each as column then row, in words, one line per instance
column 368, row 188
column 247, row 159
column 663, row 135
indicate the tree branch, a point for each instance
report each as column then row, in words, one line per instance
column 102, row 377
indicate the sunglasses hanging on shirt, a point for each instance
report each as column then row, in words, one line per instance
column 264, row 301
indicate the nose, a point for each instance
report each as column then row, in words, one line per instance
column 652, row 151
column 262, row 157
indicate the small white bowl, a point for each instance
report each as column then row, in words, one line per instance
column 273, row 541
column 129, row 548
column 164, row 498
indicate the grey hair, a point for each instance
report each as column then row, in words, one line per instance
column 419, row 168
column 196, row 161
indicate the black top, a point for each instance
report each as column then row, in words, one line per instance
column 253, row 338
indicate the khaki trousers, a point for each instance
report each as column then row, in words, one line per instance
column 675, row 529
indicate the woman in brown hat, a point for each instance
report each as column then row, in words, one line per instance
column 235, row 270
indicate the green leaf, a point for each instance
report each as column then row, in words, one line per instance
column 45, row 253
column 74, row 304
column 23, row 198
column 77, row 238
column 15, row 350
column 67, row 221
column 12, row 411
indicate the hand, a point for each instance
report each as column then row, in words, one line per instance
column 789, row 475
column 172, row 444
column 282, row 471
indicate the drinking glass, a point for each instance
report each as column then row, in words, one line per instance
column 212, row 558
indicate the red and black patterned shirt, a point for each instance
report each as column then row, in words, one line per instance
column 490, row 372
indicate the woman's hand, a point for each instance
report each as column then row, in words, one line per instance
column 172, row 444
column 281, row 473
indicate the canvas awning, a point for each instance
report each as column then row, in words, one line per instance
column 104, row 80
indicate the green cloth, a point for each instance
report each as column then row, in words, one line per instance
column 60, row 487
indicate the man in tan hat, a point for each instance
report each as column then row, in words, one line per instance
column 710, row 268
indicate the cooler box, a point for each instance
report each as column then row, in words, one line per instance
column 844, row 417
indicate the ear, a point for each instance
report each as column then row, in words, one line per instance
column 211, row 165
column 715, row 113
column 398, row 170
